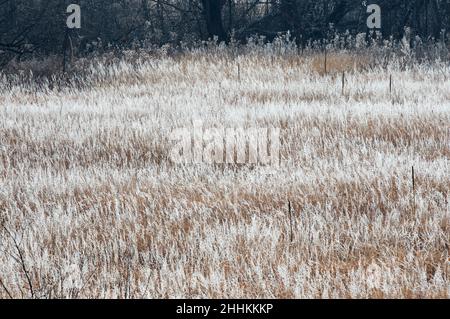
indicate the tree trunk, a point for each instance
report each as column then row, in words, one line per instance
column 437, row 21
column 230, row 15
column 145, row 10
column 212, row 12
column 162, row 22
column 288, row 10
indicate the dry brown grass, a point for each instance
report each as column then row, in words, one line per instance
column 90, row 197
column 336, row 63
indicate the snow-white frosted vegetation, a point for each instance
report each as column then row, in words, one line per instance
column 91, row 206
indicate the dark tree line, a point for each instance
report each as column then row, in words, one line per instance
column 37, row 27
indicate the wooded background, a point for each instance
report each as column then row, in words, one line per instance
column 38, row 27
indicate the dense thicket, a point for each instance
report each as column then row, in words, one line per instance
column 37, row 27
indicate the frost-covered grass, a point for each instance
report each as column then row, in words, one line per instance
column 91, row 206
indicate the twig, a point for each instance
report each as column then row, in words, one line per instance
column 6, row 289
column 414, row 189
column 22, row 261
column 239, row 71
column 290, row 222
column 390, row 84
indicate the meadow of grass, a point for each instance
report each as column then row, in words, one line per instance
column 92, row 207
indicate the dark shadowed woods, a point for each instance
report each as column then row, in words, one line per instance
column 33, row 28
